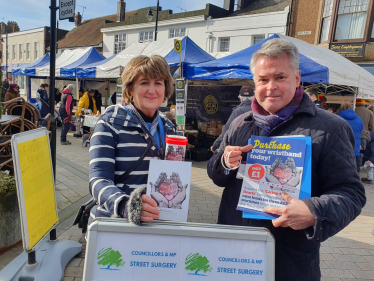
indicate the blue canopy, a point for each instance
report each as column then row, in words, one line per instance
column 92, row 56
column 237, row 66
column 191, row 53
column 29, row 69
column 89, row 70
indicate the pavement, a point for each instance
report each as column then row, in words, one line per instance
column 349, row 255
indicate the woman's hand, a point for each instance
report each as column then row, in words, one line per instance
column 149, row 209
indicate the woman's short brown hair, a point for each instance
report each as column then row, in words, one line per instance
column 345, row 106
column 371, row 108
column 153, row 67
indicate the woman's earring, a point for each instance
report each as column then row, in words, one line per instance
column 131, row 98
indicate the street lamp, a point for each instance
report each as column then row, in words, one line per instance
column 150, row 17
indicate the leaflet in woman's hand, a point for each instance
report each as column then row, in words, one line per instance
column 274, row 165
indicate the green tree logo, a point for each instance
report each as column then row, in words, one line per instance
column 196, row 262
column 109, row 257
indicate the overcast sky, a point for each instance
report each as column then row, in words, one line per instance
column 31, row 14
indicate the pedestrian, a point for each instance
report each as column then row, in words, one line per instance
column 246, row 95
column 348, row 114
column 57, row 95
column 12, row 93
column 66, row 110
column 369, row 160
column 98, row 100
column 281, row 108
column 87, row 101
column 368, row 121
column 80, row 93
column 124, row 133
column 312, row 92
column 43, row 100
column 4, row 89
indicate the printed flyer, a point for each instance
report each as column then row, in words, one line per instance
column 169, row 184
column 274, row 164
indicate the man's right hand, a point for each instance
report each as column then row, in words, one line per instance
column 235, row 157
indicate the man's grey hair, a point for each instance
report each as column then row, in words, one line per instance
column 242, row 98
column 277, row 48
column 71, row 88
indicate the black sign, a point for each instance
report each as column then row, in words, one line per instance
column 180, row 94
column 349, row 50
column 211, row 102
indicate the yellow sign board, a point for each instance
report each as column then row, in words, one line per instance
column 177, row 46
column 38, row 189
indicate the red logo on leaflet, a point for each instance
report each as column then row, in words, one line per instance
column 256, row 172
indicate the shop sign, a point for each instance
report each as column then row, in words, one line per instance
column 349, row 50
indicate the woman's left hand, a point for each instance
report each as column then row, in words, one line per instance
column 149, row 209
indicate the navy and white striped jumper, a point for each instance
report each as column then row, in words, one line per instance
column 119, row 140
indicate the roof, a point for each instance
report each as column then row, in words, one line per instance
column 263, row 6
column 88, row 32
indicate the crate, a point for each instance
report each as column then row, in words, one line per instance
column 198, row 155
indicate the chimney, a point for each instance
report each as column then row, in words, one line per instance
column 121, row 9
column 15, row 28
column 78, row 19
column 244, row 3
column 229, row 5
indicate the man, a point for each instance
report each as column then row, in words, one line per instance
column 246, row 94
column 4, row 89
column 313, row 95
column 368, row 121
column 280, row 108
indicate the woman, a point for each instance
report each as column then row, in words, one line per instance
column 87, row 101
column 123, row 134
column 12, row 93
column 66, row 110
column 98, row 100
column 346, row 112
column 43, row 100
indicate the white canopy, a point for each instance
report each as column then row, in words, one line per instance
column 65, row 59
column 341, row 70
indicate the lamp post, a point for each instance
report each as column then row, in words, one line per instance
column 150, row 17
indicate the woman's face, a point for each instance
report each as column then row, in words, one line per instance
column 148, row 94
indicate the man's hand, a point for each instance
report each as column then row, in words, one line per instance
column 149, row 209
column 296, row 215
column 236, row 154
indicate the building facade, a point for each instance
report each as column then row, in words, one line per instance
column 216, row 30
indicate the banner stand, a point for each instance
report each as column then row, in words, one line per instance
column 165, row 250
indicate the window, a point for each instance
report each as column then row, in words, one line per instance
column 20, row 51
column 177, row 32
column 327, row 11
column 146, row 36
column 14, row 52
column 351, row 19
column 119, row 43
column 36, row 49
column 27, row 51
column 258, row 38
column 224, row 45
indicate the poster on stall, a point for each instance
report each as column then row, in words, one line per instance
column 274, row 165
column 169, row 184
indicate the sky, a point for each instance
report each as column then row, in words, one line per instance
column 31, row 14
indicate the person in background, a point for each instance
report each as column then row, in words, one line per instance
column 125, row 133
column 368, row 121
column 87, row 101
column 371, row 108
column 80, row 93
column 43, row 101
column 113, row 99
column 12, row 93
column 312, row 92
column 98, row 100
column 369, row 160
column 66, row 110
column 57, row 95
column 246, row 95
column 4, row 89
column 347, row 113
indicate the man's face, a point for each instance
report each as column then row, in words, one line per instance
column 275, row 82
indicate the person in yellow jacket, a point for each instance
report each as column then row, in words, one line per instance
column 87, row 101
